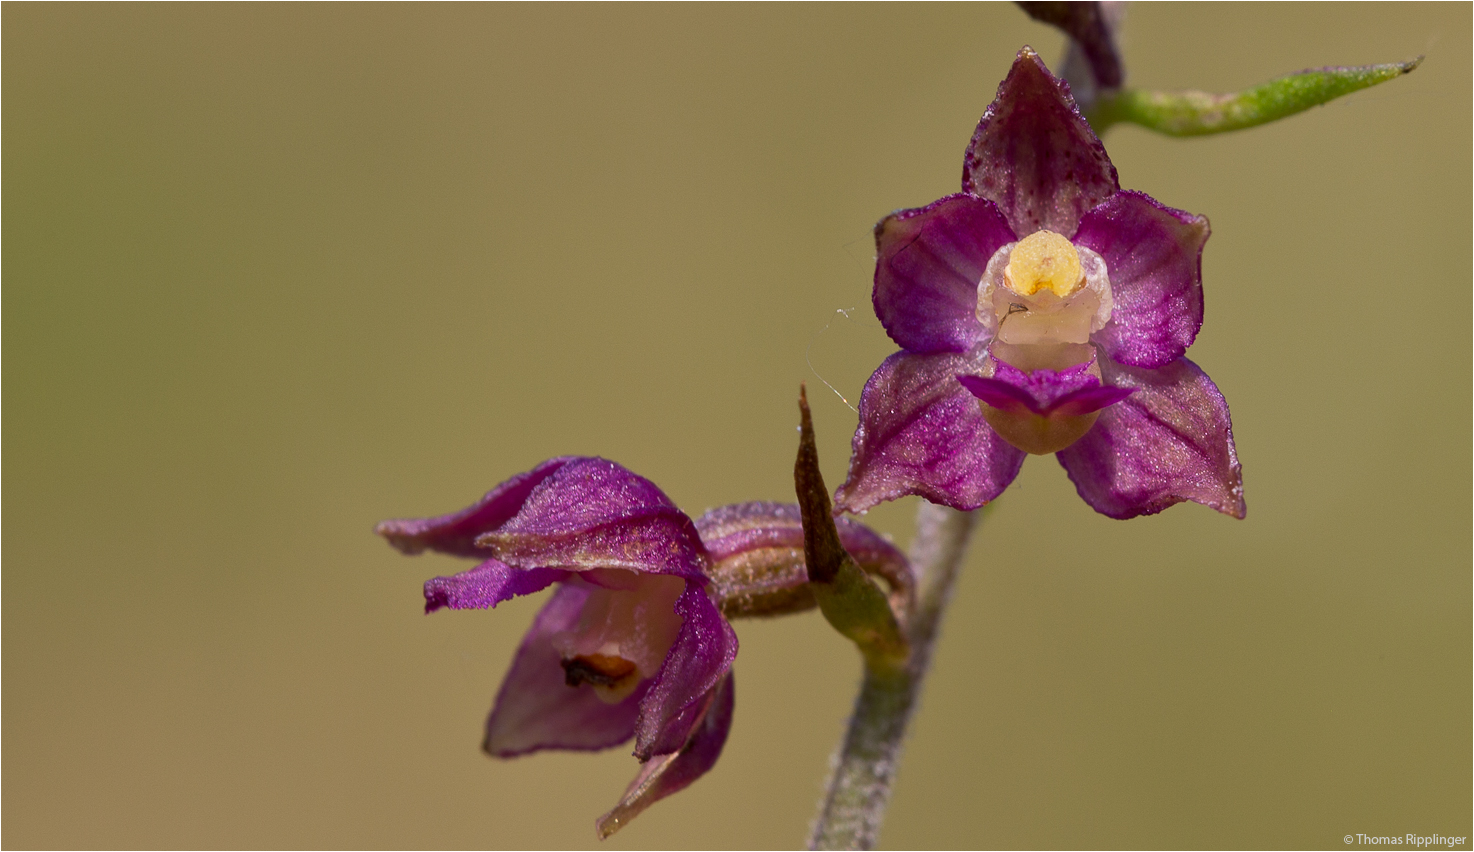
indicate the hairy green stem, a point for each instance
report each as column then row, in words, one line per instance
column 865, row 767
column 1199, row 113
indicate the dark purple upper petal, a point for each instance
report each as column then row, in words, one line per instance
column 487, row 585
column 1035, row 155
column 535, row 709
column 927, row 267
column 702, row 653
column 1153, row 255
column 593, row 513
column 1169, row 441
column 922, row 433
column 665, row 774
column 456, row 533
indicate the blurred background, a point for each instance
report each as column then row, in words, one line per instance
column 274, row 273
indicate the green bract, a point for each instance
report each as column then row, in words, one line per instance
column 1194, row 113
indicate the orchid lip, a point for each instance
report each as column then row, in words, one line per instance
column 1008, row 397
column 598, row 669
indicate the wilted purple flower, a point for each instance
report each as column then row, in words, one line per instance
column 633, row 642
column 1041, row 310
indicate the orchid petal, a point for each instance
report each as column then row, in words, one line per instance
column 487, row 585
column 922, row 433
column 1170, row 441
column 1154, row 256
column 665, row 774
column 456, row 532
column 1034, row 154
column 927, row 268
column 535, row 709
column 702, row 653
column 593, row 513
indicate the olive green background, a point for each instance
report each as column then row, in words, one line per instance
column 274, row 273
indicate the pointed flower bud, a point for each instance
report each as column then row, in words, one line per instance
column 1088, row 26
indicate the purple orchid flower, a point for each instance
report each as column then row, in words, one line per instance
column 1043, row 309
column 630, row 644
column 633, row 642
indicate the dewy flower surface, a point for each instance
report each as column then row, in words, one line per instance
column 633, row 642
column 1043, row 309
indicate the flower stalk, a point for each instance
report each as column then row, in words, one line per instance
column 896, row 656
column 859, row 786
